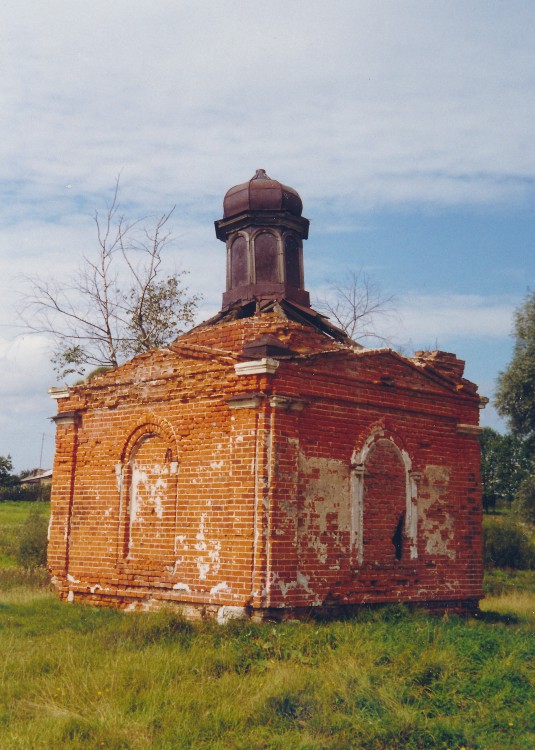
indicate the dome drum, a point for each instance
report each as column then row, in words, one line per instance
column 264, row 263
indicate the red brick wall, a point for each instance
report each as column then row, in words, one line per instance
column 180, row 480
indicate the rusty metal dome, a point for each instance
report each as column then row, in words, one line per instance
column 261, row 193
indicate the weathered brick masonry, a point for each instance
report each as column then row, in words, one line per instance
column 265, row 464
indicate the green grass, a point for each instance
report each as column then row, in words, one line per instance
column 73, row 676
column 13, row 516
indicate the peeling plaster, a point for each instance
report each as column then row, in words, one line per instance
column 326, row 504
column 302, row 580
column 200, row 536
column 119, row 476
column 358, row 459
column 155, row 490
column 285, row 587
column 219, row 588
column 182, row 587
column 437, row 522
column 226, row 613
column 211, row 549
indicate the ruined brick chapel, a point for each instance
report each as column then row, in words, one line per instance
column 263, row 464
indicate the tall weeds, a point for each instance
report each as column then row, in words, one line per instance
column 78, row 677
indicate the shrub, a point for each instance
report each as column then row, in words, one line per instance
column 31, row 552
column 524, row 504
column 507, row 545
column 28, row 493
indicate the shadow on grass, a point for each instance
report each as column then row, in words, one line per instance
column 495, row 618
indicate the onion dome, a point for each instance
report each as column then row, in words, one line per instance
column 261, row 193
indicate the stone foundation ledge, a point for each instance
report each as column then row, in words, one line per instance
column 223, row 613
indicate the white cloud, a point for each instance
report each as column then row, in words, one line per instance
column 25, row 375
column 369, row 103
column 444, row 317
column 358, row 104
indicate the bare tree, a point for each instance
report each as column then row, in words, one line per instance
column 118, row 304
column 355, row 304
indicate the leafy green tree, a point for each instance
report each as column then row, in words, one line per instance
column 6, row 467
column 505, row 461
column 515, row 396
column 119, row 303
column 524, row 504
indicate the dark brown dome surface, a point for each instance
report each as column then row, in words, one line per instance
column 261, row 193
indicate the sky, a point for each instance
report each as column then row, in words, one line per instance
column 407, row 127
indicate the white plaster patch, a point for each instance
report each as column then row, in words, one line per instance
column 302, row 580
column 211, row 549
column 227, row 613
column 433, row 501
column 200, row 536
column 203, row 568
column 219, row 588
column 148, row 489
column 70, row 596
column 285, row 587
column 147, row 604
column 214, row 556
column 71, row 579
column 327, row 488
column 119, row 476
column 182, row 587
column 326, row 507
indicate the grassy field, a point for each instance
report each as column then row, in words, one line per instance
column 77, row 677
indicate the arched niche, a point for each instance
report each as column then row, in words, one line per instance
column 383, row 502
column 239, row 263
column 266, row 255
column 292, row 261
column 148, row 475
